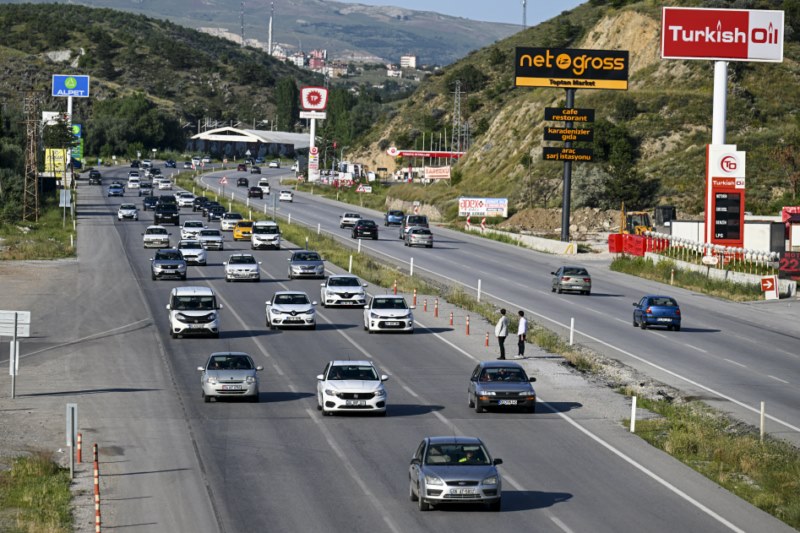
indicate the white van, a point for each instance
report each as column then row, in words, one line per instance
column 133, row 182
column 263, row 184
column 193, row 311
column 265, row 234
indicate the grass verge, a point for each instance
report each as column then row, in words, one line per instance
column 35, row 496
column 47, row 238
column 766, row 474
column 687, row 279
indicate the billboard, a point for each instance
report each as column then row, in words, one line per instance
column 437, row 173
column 55, row 162
column 725, row 195
column 483, row 207
column 721, row 34
column 70, row 85
column 313, row 98
column 571, row 68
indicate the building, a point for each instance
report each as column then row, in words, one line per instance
column 233, row 143
column 408, row 61
column 394, row 73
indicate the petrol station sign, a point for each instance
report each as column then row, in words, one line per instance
column 725, row 195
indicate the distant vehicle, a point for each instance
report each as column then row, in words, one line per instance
column 242, row 182
column 306, row 264
column 255, row 192
column 393, row 217
column 207, row 159
column 571, row 278
column 295, row 166
column 500, row 384
column 165, row 184
column 115, row 190
column 417, row 236
column 193, row 311
column 275, row 163
column 198, row 202
column 388, row 312
column 215, row 212
column 133, row 182
column 191, row 228
column 155, row 237
column 193, row 252
column 146, row 163
column 263, row 183
column 265, row 234
column 135, row 163
column 229, row 221
column 187, row 165
column 343, row 289
column 348, row 219
column 95, row 178
column 242, row 267
column 291, row 309
column 166, row 213
column 196, row 161
column 185, row 199
column 170, row 163
column 208, row 205
column 351, row 386
column 211, row 239
column 168, row 263
column 409, row 221
column 128, row 211
column 243, row 230
column 255, row 170
column 241, row 167
column 229, row 375
column 145, row 188
column 149, row 202
column 454, row 470
column 654, row 310
column 365, row 229
column 286, row 196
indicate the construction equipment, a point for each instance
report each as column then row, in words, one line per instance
column 634, row 222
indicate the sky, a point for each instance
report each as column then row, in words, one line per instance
column 484, row 10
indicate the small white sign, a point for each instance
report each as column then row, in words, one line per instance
column 319, row 115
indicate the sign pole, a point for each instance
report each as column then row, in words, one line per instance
column 565, row 207
column 14, row 359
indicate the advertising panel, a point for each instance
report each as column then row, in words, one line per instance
column 55, row 162
column 725, row 195
column 571, row 68
column 71, row 85
column 437, row 173
column 483, row 207
column 722, row 34
column 77, row 150
column 313, row 98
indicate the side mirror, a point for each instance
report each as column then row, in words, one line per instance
column 322, row 284
column 225, row 263
column 532, row 379
column 497, row 461
column 320, row 377
column 288, row 258
column 169, row 306
column 412, row 307
column 259, row 262
column 634, row 304
column 384, row 377
column 152, row 258
column 200, row 369
column 219, row 306
column 314, row 303
column 552, row 273
column 259, row 368
column 365, row 285
column 415, row 461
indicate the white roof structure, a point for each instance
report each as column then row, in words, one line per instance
column 300, row 141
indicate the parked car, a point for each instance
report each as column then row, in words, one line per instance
column 168, row 263
column 417, row 236
column 306, row 264
column 193, row 252
column 351, row 386
column 255, row 192
column 242, row 267
column 410, row 221
column 243, row 230
column 191, row 228
column 242, row 182
column 291, row 309
column 149, row 202
column 229, row 221
column 229, row 375
column 115, row 190
column 652, row 310
column 343, row 289
column 365, row 229
column 265, row 234
column 241, row 167
column 348, row 219
column 193, row 311
column 127, row 211
column 255, row 170
column 155, row 237
column 501, row 384
column 388, row 312
column 211, row 239
column 571, row 278
column 286, row 196
column 393, row 217
column 454, row 470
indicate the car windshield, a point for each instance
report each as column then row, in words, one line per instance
column 242, row 260
column 230, row 362
column 306, row 256
column 183, row 245
column 193, row 303
column 455, row 454
column 209, row 233
column 291, row 299
column 192, row 224
column 412, row 221
column 359, row 372
column 343, row 282
column 269, row 230
column 246, row 224
column 156, row 231
column 571, row 271
column 230, row 216
column 389, row 303
column 364, row 223
column 663, row 302
column 503, row 374
column 127, row 206
column 168, row 256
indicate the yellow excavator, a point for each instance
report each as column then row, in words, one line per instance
column 634, row 222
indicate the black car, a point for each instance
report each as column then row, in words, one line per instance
column 135, row 163
column 95, row 178
column 167, row 199
column 208, row 205
column 216, row 212
column 198, row 203
column 166, row 213
column 255, row 192
column 255, row 170
column 365, row 229
column 149, row 202
column 170, row 163
column 242, row 182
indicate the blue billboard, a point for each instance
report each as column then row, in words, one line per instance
column 70, row 85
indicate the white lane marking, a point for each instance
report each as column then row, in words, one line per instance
column 410, row 391
column 561, row 525
column 777, row 379
column 621, row 320
column 347, row 462
column 513, row 482
column 696, row 348
column 736, row 363
column 659, row 334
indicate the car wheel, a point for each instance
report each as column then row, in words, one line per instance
column 470, row 403
column 532, row 408
column 496, row 506
column 422, row 504
column 558, row 290
column 411, row 494
column 405, row 243
column 183, row 277
column 478, row 408
column 635, row 324
column 643, row 324
column 256, row 398
column 227, row 279
column 206, row 399
column 375, row 238
column 429, row 246
column 153, row 277
column 369, row 330
column 172, row 334
column 312, row 327
column 677, row 328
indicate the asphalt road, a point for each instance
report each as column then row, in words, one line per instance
column 731, row 355
column 183, row 465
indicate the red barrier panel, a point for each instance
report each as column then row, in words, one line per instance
column 633, row 244
column 615, row 243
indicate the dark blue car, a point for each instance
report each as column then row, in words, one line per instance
column 654, row 310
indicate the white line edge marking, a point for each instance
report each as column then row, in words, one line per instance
column 696, row 348
column 777, row 379
column 561, row 525
column 735, row 363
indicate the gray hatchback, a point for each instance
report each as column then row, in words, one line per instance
column 501, row 384
column 572, row 278
column 229, row 374
column 305, row 264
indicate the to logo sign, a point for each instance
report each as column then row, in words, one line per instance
column 313, row 98
column 728, row 163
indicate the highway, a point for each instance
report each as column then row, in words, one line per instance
column 173, row 463
column 732, row 355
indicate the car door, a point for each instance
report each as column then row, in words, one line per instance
column 414, row 469
column 473, row 380
column 321, row 385
column 557, row 277
column 639, row 310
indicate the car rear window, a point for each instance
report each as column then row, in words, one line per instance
column 414, row 220
column 575, row 272
column 663, row 302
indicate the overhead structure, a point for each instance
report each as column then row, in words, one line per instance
column 30, row 199
column 233, row 142
column 269, row 30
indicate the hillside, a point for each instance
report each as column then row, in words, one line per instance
column 666, row 115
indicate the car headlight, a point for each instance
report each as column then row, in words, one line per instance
column 433, row 480
column 274, row 311
column 330, row 392
column 488, row 393
column 310, row 311
column 211, row 380
column 250, row 379
column 374, row 315
column 380, row 392
column 491, row 480
column 527, row 393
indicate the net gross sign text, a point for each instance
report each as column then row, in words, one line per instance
column 722, row 34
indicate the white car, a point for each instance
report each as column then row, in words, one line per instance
column 351, row 386
column 207, row 159
column 295, row 166
column 193, row 310
column 265, row 234
column 185, row 199
column 291, row 309
column 191, row 228
column 286, row 196
column 343, row 289
column 242, row 267
column 156, row 237
column 134, row 182
column 229, row 220
column 274, row 164
column 263, row 184
column 128, row 211
column 164, row 184
column 193, row 252
column 211, row 239
column 348, row 219
column 388, row 312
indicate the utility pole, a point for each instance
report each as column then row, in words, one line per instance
column 524, row 14
column 455, row 145
column 30, row 202
column 242, row 19
column 269, row 33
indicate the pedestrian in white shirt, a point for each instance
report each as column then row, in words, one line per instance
column 501, row 332
column 522, row 331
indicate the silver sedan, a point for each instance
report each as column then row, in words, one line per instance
column 229, row 374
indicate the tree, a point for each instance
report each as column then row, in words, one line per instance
column 287, row 98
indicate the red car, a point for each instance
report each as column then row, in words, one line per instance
column 241, row 167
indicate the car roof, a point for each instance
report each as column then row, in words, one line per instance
column 240, row 254
column 291, row 292
column 340, row 276
column 452, row 439
column 193, row 291
column 392, row 296
column 156, row 226
column 227, row 353
column 340, row 362
column 265, row 223
column 500, row 364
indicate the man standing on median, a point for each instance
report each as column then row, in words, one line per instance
column 522, row 330
column 501, row 332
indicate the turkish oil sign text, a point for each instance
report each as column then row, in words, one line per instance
column 723, row 34
column 571, row 68
column 483, row 207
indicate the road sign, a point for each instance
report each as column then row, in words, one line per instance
column 314, row 150
column 71, row 85
column 7, row 323
column 320, row 115
column 313, row 99
column 710, row 260
column 569, row 114
column 223, row 180
column 568, row 134
column 769, row 285
column 568, row 154
column 364, row 188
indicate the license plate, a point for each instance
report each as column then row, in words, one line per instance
column 395, row 323
column 231, row 387
column 462, row 491
column 507, row 402
column 355, row 403
column 195, row 326
column 665, row 320
column 293, row 321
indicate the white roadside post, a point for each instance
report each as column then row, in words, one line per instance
column 571, row 331
column 411, row 270
column 72, row 431
column 350, row 265
column 763, row 414
column 479, row 290
column 319, row 227
column 359, row 245
column 289, row 220
column 633, row 414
